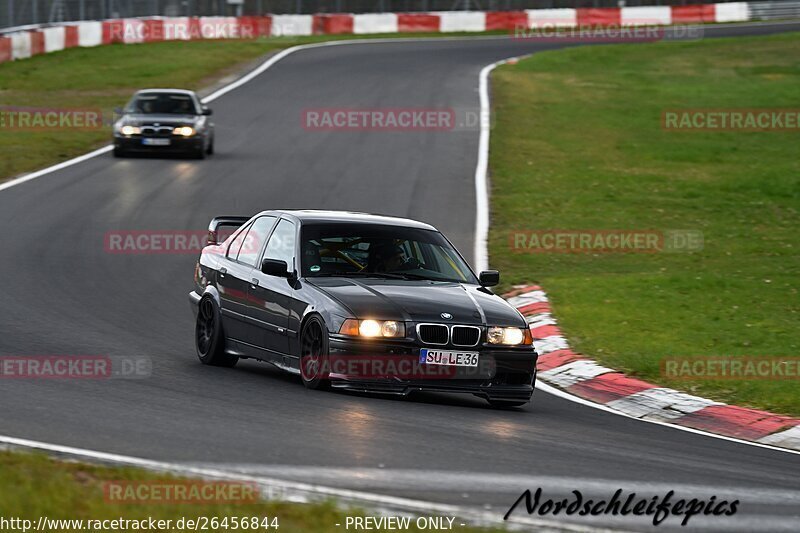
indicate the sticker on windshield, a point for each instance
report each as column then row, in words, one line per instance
column 315, row 268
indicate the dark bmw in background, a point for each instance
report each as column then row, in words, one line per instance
column 164, row 121
column 360, row 302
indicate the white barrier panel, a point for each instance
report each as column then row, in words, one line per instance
column 375, row 23
column 731, row 12
column 20, row 45
column 90, row 33
column 559, row 18
column 292, row 25
column 461, row 21
column 177, row 29
column 132, row 31
column 219, row 27
column 646, row 15
column 54, row 39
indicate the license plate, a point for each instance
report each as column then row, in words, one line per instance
column 155, row 142
column 448, row 358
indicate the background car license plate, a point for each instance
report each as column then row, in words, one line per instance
column 156, row 142
column 448, row 358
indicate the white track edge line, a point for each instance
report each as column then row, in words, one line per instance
column 482, row 256
column 321, row 490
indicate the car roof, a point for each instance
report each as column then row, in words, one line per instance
column 325, row 216
column 165, row 91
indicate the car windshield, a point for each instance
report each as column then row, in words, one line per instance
column 390, row 252
column 162, row 104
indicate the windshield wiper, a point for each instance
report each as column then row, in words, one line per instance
column 362, row 274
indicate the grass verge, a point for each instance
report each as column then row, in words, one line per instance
column 578, row 144
column 105, row 77
column 34, row 485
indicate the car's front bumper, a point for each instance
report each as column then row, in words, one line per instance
column 177, row 144
column 395, row 368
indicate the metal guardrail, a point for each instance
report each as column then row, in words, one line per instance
column 23, row 12
column 15, row 13
column 789, row 9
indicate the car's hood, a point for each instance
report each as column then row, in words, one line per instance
column 165, row 120
column 419, row 301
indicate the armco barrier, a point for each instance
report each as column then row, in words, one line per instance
column 375, row 23
column 35, row 40
column 5, row 49
column 417, row 22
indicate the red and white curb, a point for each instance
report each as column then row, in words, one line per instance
column 575, row 374
column 24, row 42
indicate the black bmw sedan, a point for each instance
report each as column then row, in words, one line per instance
column 359, row 302
column 164, row 121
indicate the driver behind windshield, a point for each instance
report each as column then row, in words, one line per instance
column 388, row 258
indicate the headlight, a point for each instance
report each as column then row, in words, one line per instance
column 509, row 336
column 373, row 328
column 186, row 131
column 130, row 130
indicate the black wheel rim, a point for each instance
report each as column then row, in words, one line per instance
column 311, row 352
column 206, row 324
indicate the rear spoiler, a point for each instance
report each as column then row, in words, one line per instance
column 218, row 222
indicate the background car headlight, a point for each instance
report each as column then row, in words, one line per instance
column 186, row 131
column 130, row 130
column 509, row 336
column 372, row 328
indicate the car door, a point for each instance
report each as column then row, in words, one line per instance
column 234, row 284
column 270, row 296
column 233, row 280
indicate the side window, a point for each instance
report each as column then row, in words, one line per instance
column 281, row 244
column 236, row 244
column 254, row 240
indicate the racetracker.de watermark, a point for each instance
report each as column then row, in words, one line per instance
column 16, row 118
column 394, row 119
column 628, row 32
column 191, row 29
column 144, row 242
column 79, row 367
column 180, row 492
column 786, row 120
column 605, row 241
column 727, row 367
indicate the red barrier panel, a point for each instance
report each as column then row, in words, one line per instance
column 153, row 30
column 333, row 24
column 37, row 42
column 506, row 20
column 195, row 33
column 599, row 16
column 251, row 27
column 70, row 36
column 704, row 13
column 5, row 49
column 409, row 22
column 113, row 31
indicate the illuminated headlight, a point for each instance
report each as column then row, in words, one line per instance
column 509, row 336
column 130, row 130
column 185, row 131
column 373, row 328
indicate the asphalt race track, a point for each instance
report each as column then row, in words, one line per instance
column 64, row 294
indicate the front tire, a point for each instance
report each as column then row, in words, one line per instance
column 314, row 354
column 118, row 152
column 209, row 337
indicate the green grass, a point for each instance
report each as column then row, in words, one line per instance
column 34, row 485
column 578, row 144
column 105, row 77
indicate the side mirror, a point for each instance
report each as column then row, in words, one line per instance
column 275, row 267
column 118, row 111
column 207, row 111
column 489, row 278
